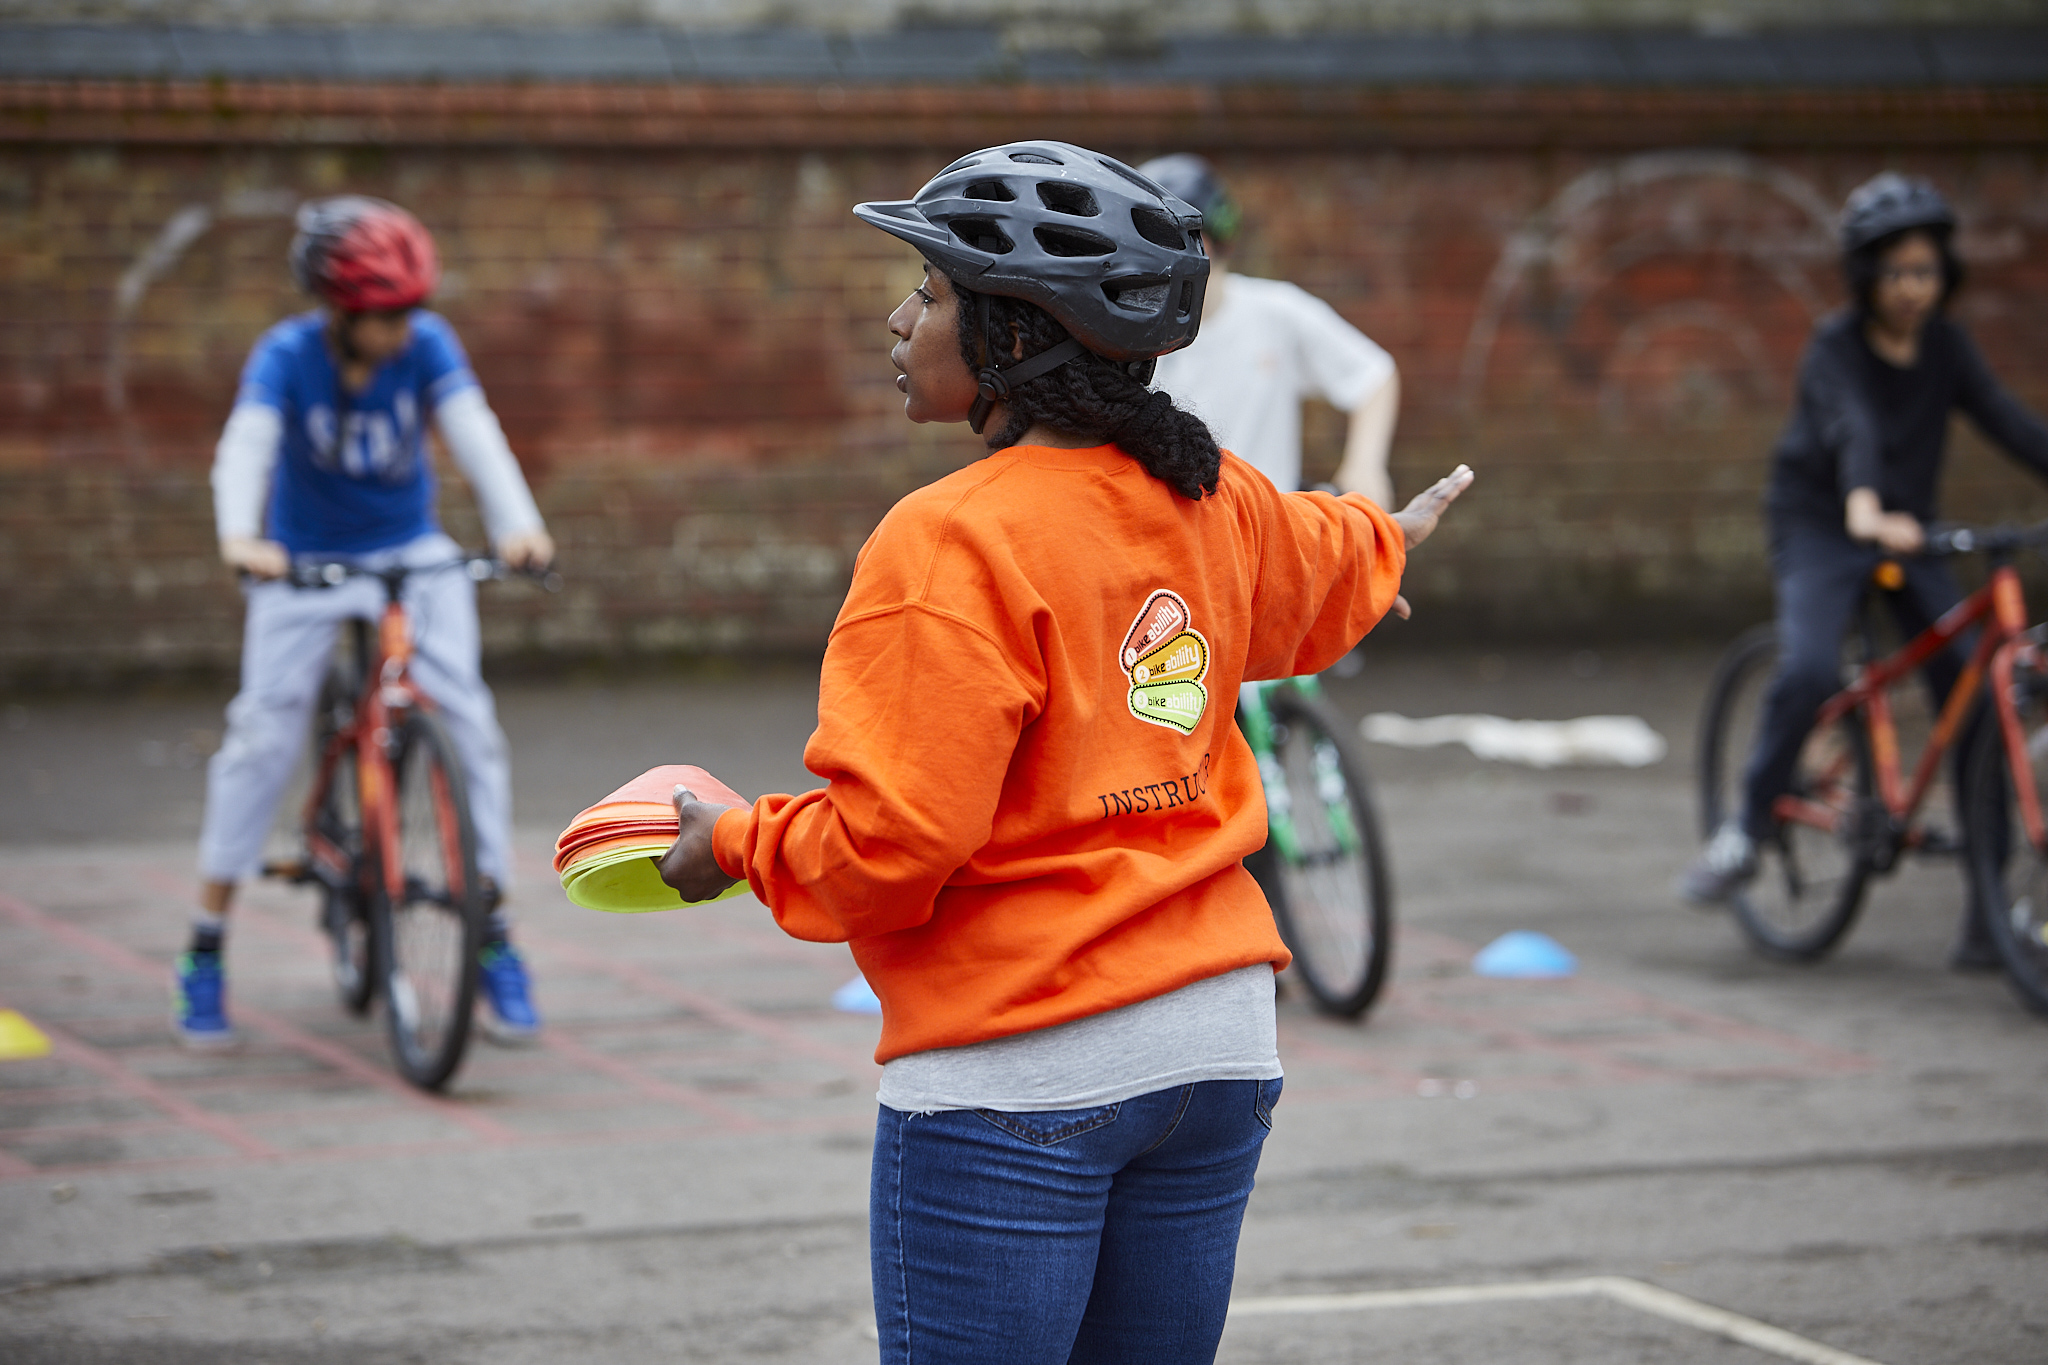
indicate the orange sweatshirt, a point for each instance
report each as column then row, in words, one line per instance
column 1038, row 802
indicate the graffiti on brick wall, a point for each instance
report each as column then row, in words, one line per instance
column 687, row 351
column 163, row 253
column 1659, row 290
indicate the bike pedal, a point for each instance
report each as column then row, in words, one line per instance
column 294, row 870
column 1935, row 842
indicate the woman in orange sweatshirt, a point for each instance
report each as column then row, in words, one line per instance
column 1038, row 806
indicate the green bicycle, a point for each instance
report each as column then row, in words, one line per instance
column 1324, row 866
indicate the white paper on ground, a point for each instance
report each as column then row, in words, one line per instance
column 1593, row 741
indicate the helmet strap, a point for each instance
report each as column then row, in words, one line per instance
column 993, row 383
column 345, row 335
column 985, row 376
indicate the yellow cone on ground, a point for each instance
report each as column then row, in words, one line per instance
column 19, row 1039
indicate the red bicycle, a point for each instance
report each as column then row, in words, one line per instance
column 388, row 833
column 1851, row 812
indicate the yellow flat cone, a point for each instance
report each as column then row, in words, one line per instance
column 628, row 884
column 19, row 1039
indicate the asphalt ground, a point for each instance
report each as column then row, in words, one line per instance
column 1855, row 1154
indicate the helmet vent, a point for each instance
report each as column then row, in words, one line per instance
column 983, row 235
column 1187, row 299
column 1036, row 159
column 1158, row 228
column 1066, row 241
column 1064, row 198
column 994, row 190
column 1137, row 295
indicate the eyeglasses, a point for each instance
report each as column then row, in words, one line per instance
column 1918, row 274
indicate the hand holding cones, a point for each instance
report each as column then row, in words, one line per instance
column 607, row 856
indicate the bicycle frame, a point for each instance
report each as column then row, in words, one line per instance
column 2004, row 645
column 387, row 696
column 1257, row 723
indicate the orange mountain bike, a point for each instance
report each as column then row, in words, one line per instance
column 388, row 834
column 1851, row 812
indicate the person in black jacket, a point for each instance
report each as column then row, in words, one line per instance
column 1854, row 480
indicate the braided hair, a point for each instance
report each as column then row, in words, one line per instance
column 1092, row 397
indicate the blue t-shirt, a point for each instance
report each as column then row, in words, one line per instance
column 353, row 474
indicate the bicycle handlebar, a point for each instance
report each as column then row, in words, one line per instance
column 480, row 568
column 1994, row 540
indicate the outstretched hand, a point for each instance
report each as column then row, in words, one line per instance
column 689, row 865
column 1421, row 515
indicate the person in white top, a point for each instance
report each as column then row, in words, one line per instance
column 1264, row 346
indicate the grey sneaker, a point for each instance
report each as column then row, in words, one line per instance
column 1724, row 867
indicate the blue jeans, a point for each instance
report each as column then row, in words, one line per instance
column 1067, row 1237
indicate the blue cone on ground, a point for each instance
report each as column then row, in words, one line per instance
column 1526, row 955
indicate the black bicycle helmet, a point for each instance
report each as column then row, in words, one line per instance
column 1114, row 258
column 1187, row 176
column 1889, row 202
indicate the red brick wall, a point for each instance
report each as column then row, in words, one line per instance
column 686, row 345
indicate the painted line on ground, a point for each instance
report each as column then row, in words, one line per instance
column 1631, row 1293
column 135, row 965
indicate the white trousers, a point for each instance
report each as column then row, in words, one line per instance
column 287, row 641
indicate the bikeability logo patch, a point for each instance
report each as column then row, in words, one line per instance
column 1166, row 659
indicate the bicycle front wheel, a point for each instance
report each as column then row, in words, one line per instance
column 1729, row 721
column 2008, row 870
column 429, row 935
column 1324, row 867
column 1815, row 863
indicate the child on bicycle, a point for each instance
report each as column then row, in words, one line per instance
column 1035, row 824
column 1853, row 481
column 324, row 457
column 1265, row 346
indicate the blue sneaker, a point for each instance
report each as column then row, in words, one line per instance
column 511, row 1018
column 201, row 1003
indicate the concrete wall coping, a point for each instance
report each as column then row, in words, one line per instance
column 816, row 116
column 1831, row 57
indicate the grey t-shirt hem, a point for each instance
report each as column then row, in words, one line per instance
column 1262, row 1071
column 1218, row 1029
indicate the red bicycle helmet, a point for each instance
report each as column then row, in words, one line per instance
column 363, row 255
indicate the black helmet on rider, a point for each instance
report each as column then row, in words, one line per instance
column 1883, row 209
column 1187, row 176
column 1889, row 203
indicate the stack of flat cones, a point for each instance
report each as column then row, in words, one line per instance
column 606, row 857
